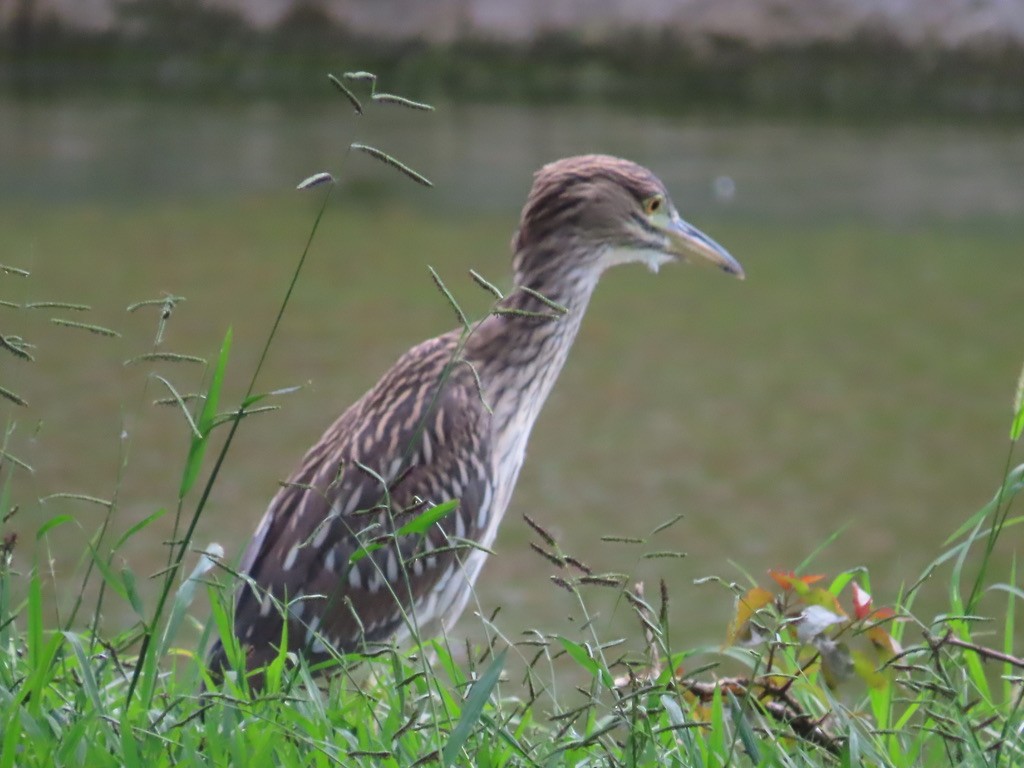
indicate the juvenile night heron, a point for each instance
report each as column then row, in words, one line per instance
column 450, row 420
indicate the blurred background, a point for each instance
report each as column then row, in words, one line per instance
column 863, row 159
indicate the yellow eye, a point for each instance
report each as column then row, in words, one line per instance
column 653, row 204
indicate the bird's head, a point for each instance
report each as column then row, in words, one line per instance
column 606, row 211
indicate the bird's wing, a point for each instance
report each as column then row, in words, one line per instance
column 410, row 443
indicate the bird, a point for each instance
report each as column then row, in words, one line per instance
column 337, row 559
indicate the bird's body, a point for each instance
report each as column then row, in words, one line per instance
column 450, row 420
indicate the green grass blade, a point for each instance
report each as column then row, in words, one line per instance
column 12, row 732
column 112, row 580
column 128, row 579
column 1018, row 409
column 52, row 523
column 580, row 655
column 184, row 597
column 746, row 733
column 207, row 419
column 85, row 671
column 716, row 738
column 423, row 521
column 35, row 619
column 472, row 708
column 419, row 524
column 143, row 523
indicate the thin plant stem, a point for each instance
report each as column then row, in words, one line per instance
column 186, row 540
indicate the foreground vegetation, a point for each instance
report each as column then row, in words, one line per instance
column 813, row 671
column 824, row 677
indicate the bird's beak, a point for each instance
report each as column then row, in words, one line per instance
column 686, row 242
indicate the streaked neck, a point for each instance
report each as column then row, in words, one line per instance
column 520, row 351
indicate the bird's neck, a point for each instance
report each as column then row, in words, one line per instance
column 520, row 350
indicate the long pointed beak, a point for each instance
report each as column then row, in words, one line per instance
column 686, row 241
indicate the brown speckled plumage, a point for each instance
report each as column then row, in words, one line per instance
column 450, row 420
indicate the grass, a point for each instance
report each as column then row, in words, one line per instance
column 937, row 696
column 788, row 402
column 814, row 671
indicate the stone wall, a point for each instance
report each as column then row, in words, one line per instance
column 932, row 24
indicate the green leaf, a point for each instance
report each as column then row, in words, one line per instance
column 182, row 600
column 716, row 739
column 108, row 574
column 220, row 612
column 472, row 708
column 673, row 710
column 35, row 618
column 839, row 582
column 418, row 525
column 1013, row 484
column 867, row 670
column 443, row 660
column 253, row 399
column 128, row 578
column 582, row 657
column 746, row 733
column 41, row 665
column 425, row 519
column 129, row 743
column 143, row 523
column 207, row 418
column 1018, row 409
column 1009, row 634
column 52, row 523
column 86, row 672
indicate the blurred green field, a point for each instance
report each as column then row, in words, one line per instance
column 860, row 379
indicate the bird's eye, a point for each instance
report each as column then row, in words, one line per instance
column 653, row 204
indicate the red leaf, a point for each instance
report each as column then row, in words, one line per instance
column 783, row 578
column 789, row 580
column 861, row 602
